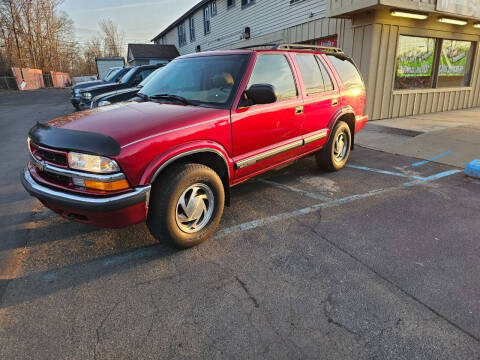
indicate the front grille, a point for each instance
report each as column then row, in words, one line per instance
column 55, row 157
column 55, row 178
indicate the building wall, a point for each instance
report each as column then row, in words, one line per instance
column 266, row 19
column 375, row 39
column 370, row 38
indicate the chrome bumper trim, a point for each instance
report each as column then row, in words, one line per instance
column 85, row 202
column 43, row 166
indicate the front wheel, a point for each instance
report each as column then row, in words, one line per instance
column 334, row 155
column 186, row 205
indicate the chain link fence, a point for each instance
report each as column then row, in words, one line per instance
column 8, row 83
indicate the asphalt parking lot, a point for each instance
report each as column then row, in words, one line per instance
column 377, row 261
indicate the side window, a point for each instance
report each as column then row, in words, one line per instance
column 347, row 72
column 327, row 80
column 274, row 70
column 312, row 77
column 145, row 73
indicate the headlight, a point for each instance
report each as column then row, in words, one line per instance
column 103, row 103
column 87, row 95
column 76, row 92
column 92, row 163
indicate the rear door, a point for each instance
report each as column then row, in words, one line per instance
column 268, row 134
column 320, row 99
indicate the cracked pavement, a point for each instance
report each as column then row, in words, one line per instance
column 389, row 276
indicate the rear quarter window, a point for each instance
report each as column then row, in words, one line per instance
column 347, row 72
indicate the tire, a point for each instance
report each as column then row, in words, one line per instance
column 331, row 158
column 170, row 218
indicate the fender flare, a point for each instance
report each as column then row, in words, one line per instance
column 338, row 114
column 159, row 163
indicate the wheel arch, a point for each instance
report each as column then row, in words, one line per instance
column 213, row 157
column 347, row 115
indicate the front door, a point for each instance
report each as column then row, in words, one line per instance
column 268, row 134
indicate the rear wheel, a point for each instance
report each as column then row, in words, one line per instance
column 334, row 155
column 186, row 205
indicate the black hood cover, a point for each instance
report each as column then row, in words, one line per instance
column 74, row 140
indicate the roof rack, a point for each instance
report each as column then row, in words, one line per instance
column 326, row 49
column 271, row 46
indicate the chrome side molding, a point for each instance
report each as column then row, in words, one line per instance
column 309, row 139
column 277, row 151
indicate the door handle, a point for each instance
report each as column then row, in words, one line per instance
column 334, row 102
column 299, row 110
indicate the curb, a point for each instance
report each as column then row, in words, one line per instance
column 473, row 169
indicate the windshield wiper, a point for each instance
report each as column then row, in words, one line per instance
column 172, row 97
column 143, row 96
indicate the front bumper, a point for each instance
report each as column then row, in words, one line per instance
column 360, row 122
column 108, row 211
column 75, row 101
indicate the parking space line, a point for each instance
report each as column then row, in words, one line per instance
column 290, row 188
column 249, row 225
column 433, row 158
column 385, row 172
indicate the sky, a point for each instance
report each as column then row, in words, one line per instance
column 141, row 20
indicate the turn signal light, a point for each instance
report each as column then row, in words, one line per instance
column 107, row 186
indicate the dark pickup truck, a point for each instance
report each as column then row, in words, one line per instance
column 117, row 96
column 132, row 78
column 112, row 76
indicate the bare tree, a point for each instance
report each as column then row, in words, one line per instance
column 35, row 33
column 113, row 38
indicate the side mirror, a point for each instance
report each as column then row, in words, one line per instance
column 261, row 94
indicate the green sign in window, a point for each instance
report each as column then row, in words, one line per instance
column 454, row 59
column 415, row 56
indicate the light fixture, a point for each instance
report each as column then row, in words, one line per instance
column 408, row 14
column 452, row 21
column 476, row 25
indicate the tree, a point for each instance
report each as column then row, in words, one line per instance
column 113, row 38
column 35, row 33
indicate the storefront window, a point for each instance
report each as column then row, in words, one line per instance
column 415, row 62
column 455, row 63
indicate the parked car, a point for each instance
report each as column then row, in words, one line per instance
column 113, row 75
column 120, row 95
column 206, row 122
column 131, row 78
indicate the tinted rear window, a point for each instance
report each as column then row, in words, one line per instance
column 311, row 74
column 347, row 72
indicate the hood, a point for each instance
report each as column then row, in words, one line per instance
column 133, row 90
column 133, row 121
column 87, row 84
column 103, row 87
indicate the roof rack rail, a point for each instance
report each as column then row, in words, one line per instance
column 326, row 49
column 271, row 46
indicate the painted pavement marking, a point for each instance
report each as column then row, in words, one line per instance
column 433, row 158
column 249, row 225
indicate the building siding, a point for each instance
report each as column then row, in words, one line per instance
column 264, row 17
column 370, row 38
column 375, row 52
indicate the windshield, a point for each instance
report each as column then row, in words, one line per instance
column 112, row 74
column 126, row 78
column 203, row 79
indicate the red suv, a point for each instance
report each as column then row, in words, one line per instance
column 208, row 121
